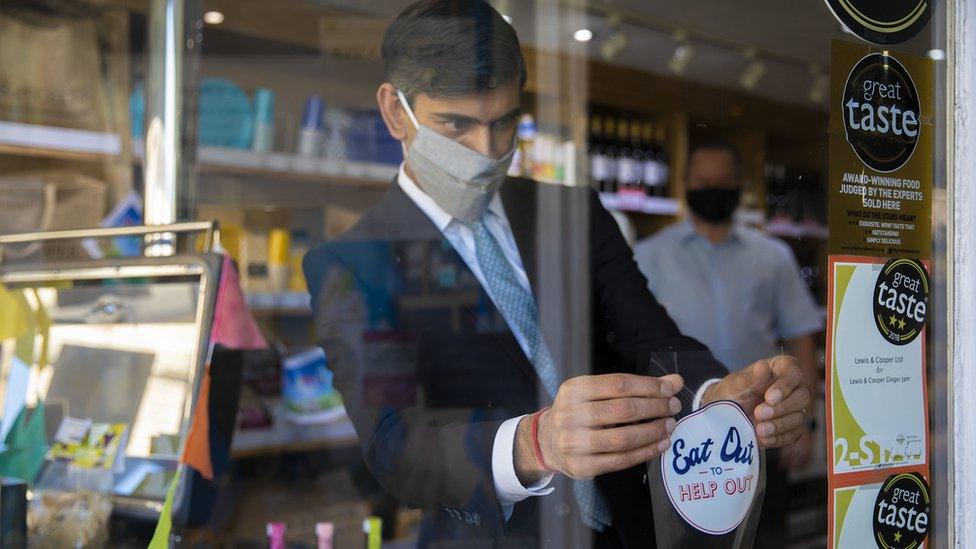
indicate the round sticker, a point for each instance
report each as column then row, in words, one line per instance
column 711, row 470
column 901, row 512
column 901, row 300
column 882, row 22
column 881, row 112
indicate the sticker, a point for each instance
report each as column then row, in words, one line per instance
column 867, row 372
column 711, row 470
column 881, row 112
column 882, row 22
column 901, row 512
column 901, row 300
column 881, row 143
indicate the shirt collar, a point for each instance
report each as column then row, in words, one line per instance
column 686, row 232
column 441, row 219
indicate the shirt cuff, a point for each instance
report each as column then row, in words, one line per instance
column 696, row 403
column 508, row 487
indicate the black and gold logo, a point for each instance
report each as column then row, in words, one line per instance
column 901, row 300
column 883, row 22
column 882, row 118
column 901, row 512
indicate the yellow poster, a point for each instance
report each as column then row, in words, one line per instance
column 881, row 138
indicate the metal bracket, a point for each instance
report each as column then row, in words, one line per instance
column 210, row 228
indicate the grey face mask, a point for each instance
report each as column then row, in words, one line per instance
column 460, row 180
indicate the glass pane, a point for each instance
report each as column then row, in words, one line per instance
column 108, row 362
column 667, row 193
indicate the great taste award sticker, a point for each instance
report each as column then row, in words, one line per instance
column 901, row 300
column 882, row 112
column 711, row 470
column 901, row 512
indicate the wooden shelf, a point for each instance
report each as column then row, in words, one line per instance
column 792, row 229
column 287, row 436
column 276, row 165
column 637, row 203
column 280, row 303
column 53, row 142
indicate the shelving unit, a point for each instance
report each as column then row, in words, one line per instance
column 54, row 142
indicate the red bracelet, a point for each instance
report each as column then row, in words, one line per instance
column 535, row 439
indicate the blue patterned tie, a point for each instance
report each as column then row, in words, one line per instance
column 519, row 309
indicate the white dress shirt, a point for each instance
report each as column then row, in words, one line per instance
column 507, row 485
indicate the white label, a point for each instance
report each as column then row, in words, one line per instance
column 712, row 467
column 600, row 167
column 628, row 170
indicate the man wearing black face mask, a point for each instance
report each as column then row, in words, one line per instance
column 736, row 290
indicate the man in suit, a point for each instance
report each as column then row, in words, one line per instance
column 427, row 312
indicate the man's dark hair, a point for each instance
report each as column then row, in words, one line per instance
column 716, row 145
column 449, row 48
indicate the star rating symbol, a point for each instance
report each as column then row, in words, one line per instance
column 901, row 324
column 897, row 536
column 893, row 321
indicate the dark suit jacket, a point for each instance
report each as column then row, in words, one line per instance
column 429, row 370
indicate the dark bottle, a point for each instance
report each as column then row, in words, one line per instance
column 636, row 156
column 599, row 162
column 611, row 149
column 625, row 171
column 663, row 159
column 651, row 168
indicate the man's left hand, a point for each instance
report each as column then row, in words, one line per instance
column 771, row 390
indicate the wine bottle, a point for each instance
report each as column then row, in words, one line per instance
column 612, row 150
column 663, row 159
column 625, row 174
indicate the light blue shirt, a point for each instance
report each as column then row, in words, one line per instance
column 738, row 297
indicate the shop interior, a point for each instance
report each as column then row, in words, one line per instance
column 288, row 151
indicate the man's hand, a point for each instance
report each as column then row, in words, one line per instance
column 600, row 424
column 772, row 391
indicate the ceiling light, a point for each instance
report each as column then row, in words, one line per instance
column 507, row 18
column 613, row 45
column 819, row 87
column 682, row 54
column 583, row 35
column 213, row 18
column 937, row 55
column 754, row 71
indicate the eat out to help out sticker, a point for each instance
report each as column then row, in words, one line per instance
column 711, row 469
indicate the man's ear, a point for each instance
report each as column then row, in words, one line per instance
column 392, row 111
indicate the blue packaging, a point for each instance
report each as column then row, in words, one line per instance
column 313, row 114
column 264, row 109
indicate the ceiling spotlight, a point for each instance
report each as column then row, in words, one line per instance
column 613, row 45
column 507, row 18
column 583, row 35
column 213, row 18
column 937, row 55
column 616, row 42
column 754, row 71
column 820, row 85
column 683, row 53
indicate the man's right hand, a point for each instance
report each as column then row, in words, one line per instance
column 600, row 424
